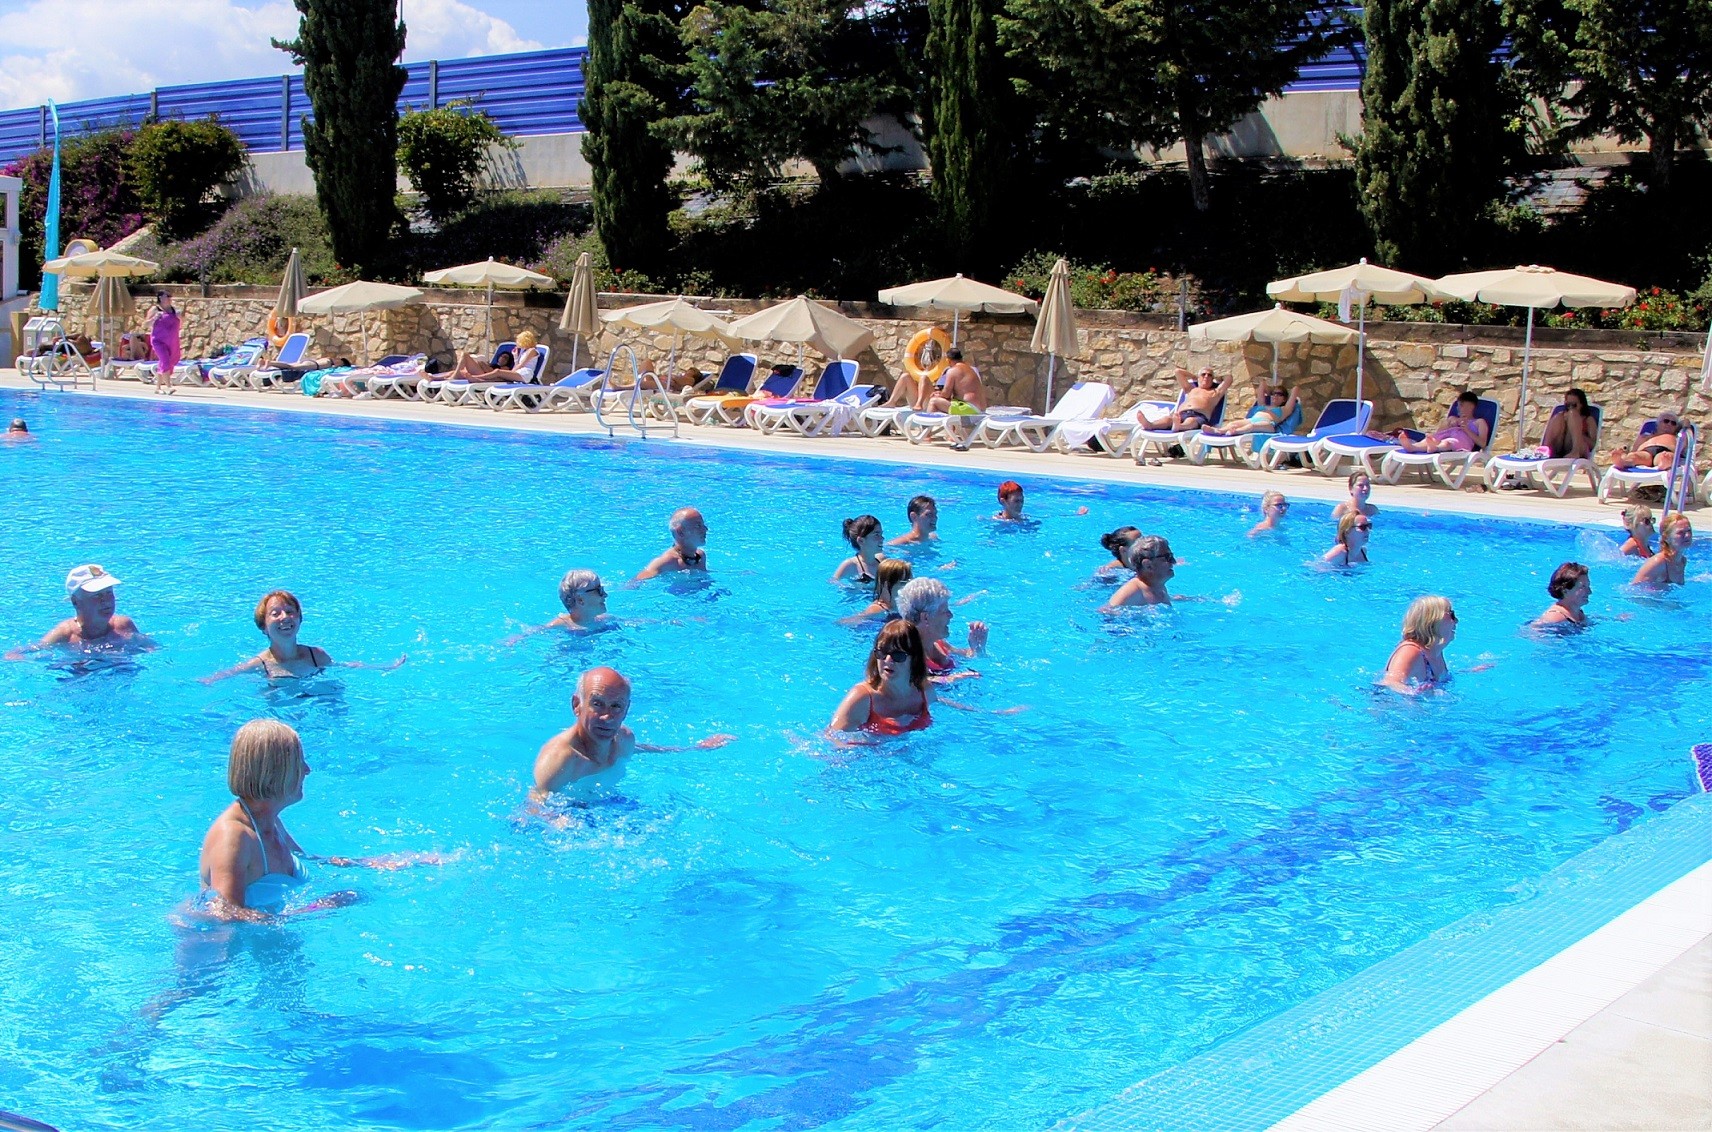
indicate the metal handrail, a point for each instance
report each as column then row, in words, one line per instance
column 638, row 389
column 1679, row 487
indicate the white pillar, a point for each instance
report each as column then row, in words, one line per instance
column 11, row 187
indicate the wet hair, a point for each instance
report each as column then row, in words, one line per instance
column 1118, row 541
column 289, row 598
column 1009, row 487
column 1635, row 514
column 18, row 425
column 893, row 573
column 920, row 596
column 1421, row 623
column 1145, row 549
column 919, row 504
column 1565, row 578
column 954, row 354
column 1671, row 520
column 1347, row 524
column 575, row 582
column 895, row 635
column 526, row 340
column 1358, row 474
column 266, row 760
column 1580, row 396
column 859, row 528
column 1269, row 498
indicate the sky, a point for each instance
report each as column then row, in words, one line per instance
column 72, row 49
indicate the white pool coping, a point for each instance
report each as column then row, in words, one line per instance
column 1440, row 1073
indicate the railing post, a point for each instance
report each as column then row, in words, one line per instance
column 44, row 141
column 433, row 84
column 154, row 105
column 284, row 113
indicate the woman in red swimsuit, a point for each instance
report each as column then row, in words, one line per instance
column 896, row 696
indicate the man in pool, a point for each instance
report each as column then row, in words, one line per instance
column 596, row 745
column 923, row 514
column 19, row 429
column 94, row 625
column 689, row 534
column 584, row 599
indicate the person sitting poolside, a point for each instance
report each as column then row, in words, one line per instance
column 1463, row 430
column 1638, row 521
column 1569, row 435
column 1570, row 589
column 1118, row 542
column 1200, row 403
column 1273, row 508
column 926, row 604
column 1657, row 450
column 687, row 380
column 1360, row 487
column 94, row 625
column 864, row 535
column 891, row 576
column 689, row 534
column 1271, row 407
column 1670, row 565
column 280, row 615
column 594, row 748
column 961, row 395
column 896, row 696
column 1153, row 564
column 1351, row 546
column 923, row 515
column 521, row 368
column 1418, row 664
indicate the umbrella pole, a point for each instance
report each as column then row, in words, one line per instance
column 956, row 318
column 576, row 340
column 1360, row 350
column 1522, row 397
column 1275, row 368
column 1051, row 368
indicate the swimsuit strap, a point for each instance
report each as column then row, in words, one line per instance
column 260, row 840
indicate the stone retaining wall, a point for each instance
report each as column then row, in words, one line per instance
column 1413, row 371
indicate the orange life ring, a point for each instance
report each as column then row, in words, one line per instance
column 278, row 334
column 917, row 345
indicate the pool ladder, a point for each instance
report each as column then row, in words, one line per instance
column 637, row 390
column 1679, row 485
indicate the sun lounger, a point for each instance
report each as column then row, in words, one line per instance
column 1337, row 418
column 1083, row 401
column 734, row 378
column 776, row 387
column 1627, row 479
column 1153, row 443
column 459, row 391
column 1451, row 468
column 235, row 368
column 1244, row 446
column 291, row 353
column 431, row 388
column 836, row 397
column 1109, row 436
column 571, row 390
column 1548, row 473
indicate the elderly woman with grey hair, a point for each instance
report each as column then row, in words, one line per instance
column 584, row 599
column 926, row 604
column 1151, row 558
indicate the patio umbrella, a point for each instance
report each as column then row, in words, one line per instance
column 1536, row 288
column 489, row 273
column 112, row 303
column 1275, row 326
column 675, row 316
column 807, row 323
column 360, row 298
column 959, row 295
column 1055, row 329
column 582, row 310
column 291, row 288
column 92, row 265
column 1357, row 284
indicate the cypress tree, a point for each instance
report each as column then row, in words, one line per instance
column 349, row 52
column 628, row 86
column 968, row 139
column 1434, row 147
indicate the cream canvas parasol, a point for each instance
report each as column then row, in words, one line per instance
column 112, row 304
column 960, row 296
column 581, row 318
column 93, row 265
column 1537, row 288
column 489, row 274
column 1275, row 326
column 806, row 323
column 360, row 298
column 291, row 288
column 1357, row 284
column 674, row 316
column 1055, row 329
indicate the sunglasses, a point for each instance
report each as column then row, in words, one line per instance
column 1282, row 505
column 1150, row 557
column 598, row 591
column 1364, row 526
column 895, row 654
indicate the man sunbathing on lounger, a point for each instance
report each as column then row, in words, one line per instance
column 595, row 746
column 1655, row 451
column 1201, row 396
column 689, row 534
column 1271, row 406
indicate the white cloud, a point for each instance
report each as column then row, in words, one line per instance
column 74, row 49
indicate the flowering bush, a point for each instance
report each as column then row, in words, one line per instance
column 251, row 243
column 1093, row 286
column 96, row 199
column 1653, row 309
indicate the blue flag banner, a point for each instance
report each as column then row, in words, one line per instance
column 50, row 224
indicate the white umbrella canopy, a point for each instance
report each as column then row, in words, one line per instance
column 1358, row 284
column 581, row 318
column 1536, row 288
column 91, row 265
column 960, row 296
column 490, row 274
column 360, row 298
column 1055, row 329
column 805, row 322
column 1275, row 326
column 675, row 316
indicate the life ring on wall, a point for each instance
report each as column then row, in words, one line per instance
column 918, row 345
column 279, row 329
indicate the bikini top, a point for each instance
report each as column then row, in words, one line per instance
column 268, row 892
column 274, row 670
column 1433, row 678
column 889, row 725
column 940, row 659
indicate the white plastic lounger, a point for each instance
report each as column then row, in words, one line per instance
column 1110, row 436
column 1548, row 473
column 1083, row 401
column 1158, row 442
column 731, row 411
column 474, row 393
column 1628, row 479
column 235, row 368
column 1244, row 446
column 734, row 378
column 291, row 353
column 881, row 419
column 1337, row 418
column 573, row 389
column 1450, row 468
column 432, row 388
column 836, row 397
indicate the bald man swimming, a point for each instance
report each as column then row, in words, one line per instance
column 595, row 746
column 689, row 533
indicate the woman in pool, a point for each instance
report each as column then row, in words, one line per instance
column 1351, row 546
column 1118, row 542
column 1638, row 521
column 864, row 535
column 896, row 696
column 1154, row 565
column 1670, row 565
column 1360, row 487
column 926, row 604
column 1273, row 508
column 1570, row 589
column 1417, row 664
column 1462, row 431
column 280, row 615
column 893, row 574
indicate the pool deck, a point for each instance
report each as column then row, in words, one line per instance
column 1636, row 1052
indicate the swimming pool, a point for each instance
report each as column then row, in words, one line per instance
column 1203, row 819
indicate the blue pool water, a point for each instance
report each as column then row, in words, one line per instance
column 1204, row 817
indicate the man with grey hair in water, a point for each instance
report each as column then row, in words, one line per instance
column 689, row 533
column 926, row 604
column 596, row 745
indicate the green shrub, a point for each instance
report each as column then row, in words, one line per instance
column 251, row 243
column 561, row 258
column 175, row 168
column 515, row 225
column 97, row 200
column 444, row 153
column 1092, row 286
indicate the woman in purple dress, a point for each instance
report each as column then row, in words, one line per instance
column 163, row 338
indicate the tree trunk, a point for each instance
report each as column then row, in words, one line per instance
column 1662, row 149
column 1194, row 146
